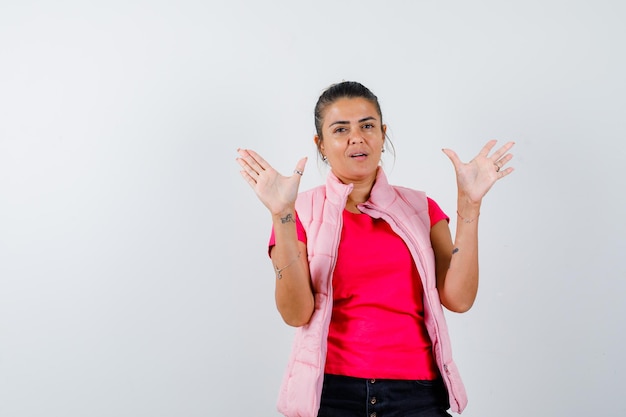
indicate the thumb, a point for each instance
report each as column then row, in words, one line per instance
column 300, row 166
column 452, row 156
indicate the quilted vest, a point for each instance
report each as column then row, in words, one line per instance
column 320, row 210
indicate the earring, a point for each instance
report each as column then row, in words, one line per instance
column 324, row 158
column 383, row 150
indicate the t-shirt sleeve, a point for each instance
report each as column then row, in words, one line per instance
column 299, row 230
column 435, row 213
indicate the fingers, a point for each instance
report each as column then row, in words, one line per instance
column 254, row 166
column 504, row 172
column 496, row 161
column 251, row 161
column 502, row 161
column 258, row 160
column 248, row 178
column 488, row 147
column 248, row 172
column 501, row 158
column 503, row 150
column 496, row 156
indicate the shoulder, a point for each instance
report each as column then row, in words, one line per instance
column 413, row 203
column 410, row 195
column 420, row 200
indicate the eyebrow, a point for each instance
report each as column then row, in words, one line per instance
column 346, row 122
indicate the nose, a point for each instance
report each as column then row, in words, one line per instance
column 355, row 138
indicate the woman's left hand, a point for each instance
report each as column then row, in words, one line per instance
column 477, row 176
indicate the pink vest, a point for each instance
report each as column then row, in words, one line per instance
column 320, row 211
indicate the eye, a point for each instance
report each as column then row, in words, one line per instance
column 340, row 130
column 368, row 126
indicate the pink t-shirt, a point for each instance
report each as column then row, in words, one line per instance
column 377, row 328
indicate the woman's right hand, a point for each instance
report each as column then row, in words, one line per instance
column 277, row 192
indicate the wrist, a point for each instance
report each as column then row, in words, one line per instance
column 468, row 211
column 464, row 203
column 285, row 216
column 467, row 220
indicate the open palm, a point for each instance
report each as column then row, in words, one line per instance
column 476, row 177
column 277, row 192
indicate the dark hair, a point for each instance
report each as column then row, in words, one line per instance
column 344, row 89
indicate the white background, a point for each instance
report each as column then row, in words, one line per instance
column 134, row 277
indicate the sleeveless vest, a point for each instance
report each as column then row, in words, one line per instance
column 320, row 211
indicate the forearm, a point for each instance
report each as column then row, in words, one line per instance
column 294, row 295
column 460, row 286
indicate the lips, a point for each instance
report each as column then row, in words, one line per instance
column 357, row 154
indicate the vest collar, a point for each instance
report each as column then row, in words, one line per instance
column 382, row 194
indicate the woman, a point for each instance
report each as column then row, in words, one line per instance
column 363, row 269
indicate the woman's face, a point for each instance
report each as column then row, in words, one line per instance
column 352, row 139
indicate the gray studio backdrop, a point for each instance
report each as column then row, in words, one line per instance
column 134, row 277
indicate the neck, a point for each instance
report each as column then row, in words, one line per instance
column 360, row 194
column 361, row 190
